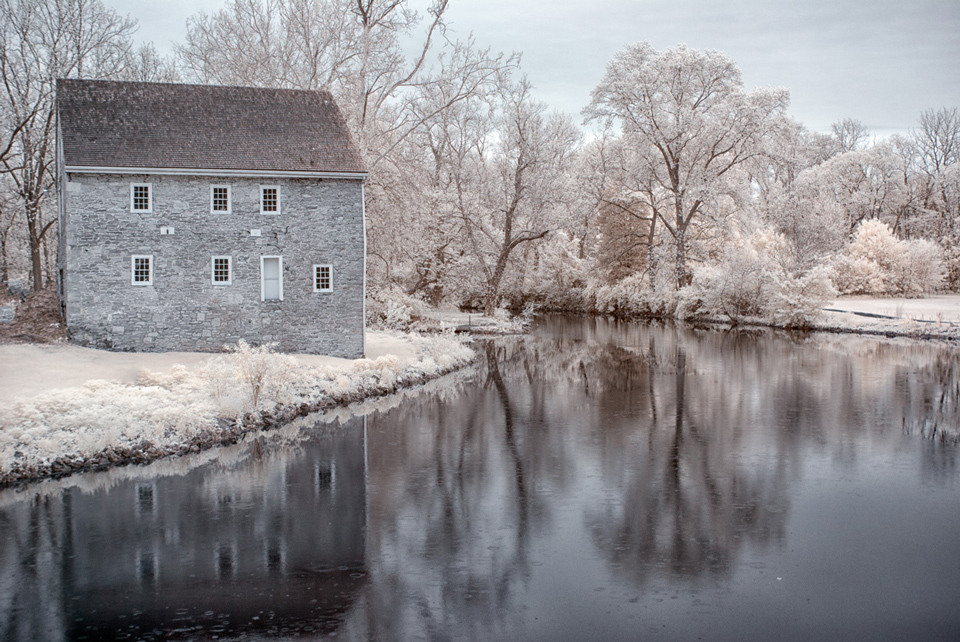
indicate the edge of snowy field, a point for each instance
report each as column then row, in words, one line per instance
column 221, row 398
column 936, row 318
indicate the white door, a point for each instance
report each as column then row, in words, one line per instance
column 272, row 281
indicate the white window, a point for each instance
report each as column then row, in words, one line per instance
column 269, row 199
column 323, row 278
column 141, row 197
column 220, row 199
column 271, row 278
column 221, row 270
column 141, row 270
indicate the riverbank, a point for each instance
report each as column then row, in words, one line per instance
column 70, row 409
column 932, row 318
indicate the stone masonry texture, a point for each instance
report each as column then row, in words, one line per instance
column 320, row 223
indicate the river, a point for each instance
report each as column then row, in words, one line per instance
column 596, row 480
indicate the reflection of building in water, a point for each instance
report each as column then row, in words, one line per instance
column 270, row 545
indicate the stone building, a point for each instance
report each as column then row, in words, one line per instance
column 194, row 216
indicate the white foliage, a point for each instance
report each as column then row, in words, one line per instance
column 687, row 115
column 558, row 273
column 752, row 281
column 797, row 302
column 634, row 296
column 876, row 262
column 262, row 371
column 391, row 308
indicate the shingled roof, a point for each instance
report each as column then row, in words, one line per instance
column 154, row 125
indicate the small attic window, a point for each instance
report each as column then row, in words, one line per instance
column 141, row 197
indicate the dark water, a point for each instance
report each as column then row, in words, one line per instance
column 596, row 481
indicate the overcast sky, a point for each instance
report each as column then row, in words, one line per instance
column 881, row 61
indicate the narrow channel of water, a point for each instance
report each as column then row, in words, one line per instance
column 596, row 480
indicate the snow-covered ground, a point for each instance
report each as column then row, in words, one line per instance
column 932, row 317
column 27, row 370
column 69, row 408
column 943, row 307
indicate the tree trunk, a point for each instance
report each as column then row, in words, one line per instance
column 36, row 236
column 492, row 299
column 651, row 249
column 4, row 263
column 681, row 267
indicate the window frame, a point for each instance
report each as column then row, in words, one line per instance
column 133, row 201
column 133, row 269
column 279, row 278
column 270, row 212
column 316, row 269
column 213, row 269
column 213, row 189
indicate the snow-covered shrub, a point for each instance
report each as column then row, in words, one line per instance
column 950, row 248
column 558, row 275
column 876, row 262
column 751, row 281
column 854, row 275
column 633, row 296
column 732, row 288
column 261, row 370
column 796, row 302
column 647, row 293
column 390, row 308
column 922, row 270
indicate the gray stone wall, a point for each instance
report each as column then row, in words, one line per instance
column 320, row 222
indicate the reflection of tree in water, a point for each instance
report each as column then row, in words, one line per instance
column 718, row 425
column 34, row 546
column 934, row 412
column 676, row 446
column 683, row 502
column 454, row 510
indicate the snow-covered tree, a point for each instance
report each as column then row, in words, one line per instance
column 850, row 135
column 40, row 41
column 520, row 185
column 867, row 184
column 687, row 115
column 876, row 262
column 375, row 56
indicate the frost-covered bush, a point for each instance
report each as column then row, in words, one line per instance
column 647, row 293
column 733, row 288
column 390, row 308
column 876, row 262
column 558, row 275
column 795, row 302
column 950, row 246
column 854, row 275
column 634, row 296
column 260, row 370
column 750, row 281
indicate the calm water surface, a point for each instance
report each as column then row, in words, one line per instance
column 595, row 481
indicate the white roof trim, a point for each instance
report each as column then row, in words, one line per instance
column 240, row 173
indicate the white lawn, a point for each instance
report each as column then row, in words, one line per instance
column 943, row 307
column 27, row 370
